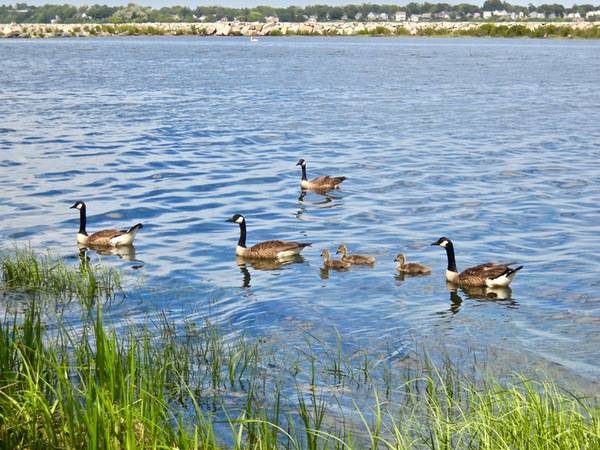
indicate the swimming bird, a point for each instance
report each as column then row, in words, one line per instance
column 103, row 238
column 410, row 268
column 323, row 183
column 266, row 249
column 333, row 263
column 354, row 259
column 488, row 274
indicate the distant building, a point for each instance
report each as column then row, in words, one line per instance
column 426, row 16
column 312, row 19
column 400, row 16
column 593, row 15
column 271, row 19
column 537, row 15
column 383, row 16
column 372, row 16
column 56, row 19
column 487, row 14
column 574, row 16
column 358, row 16
column 415, row 17
column 476, row 16
column 344, row 17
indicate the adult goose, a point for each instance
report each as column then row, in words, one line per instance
column 488, row 274
column 323, row 183
column 354, row 259
column 103, row 238
column 329, row 263
column 266, row 249
column 410, row 268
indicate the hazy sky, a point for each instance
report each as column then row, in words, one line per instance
column 277, row 3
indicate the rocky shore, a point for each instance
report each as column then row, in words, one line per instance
column 498, row 29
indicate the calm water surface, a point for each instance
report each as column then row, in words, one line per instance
column 493, row 143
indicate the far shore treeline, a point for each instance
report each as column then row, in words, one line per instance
column 491, row 10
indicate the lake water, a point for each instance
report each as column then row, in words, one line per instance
column 493, row 143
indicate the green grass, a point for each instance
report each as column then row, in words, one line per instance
column 25, row 271
column 191, row 386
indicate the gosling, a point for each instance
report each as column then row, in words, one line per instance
column 354, row 259
column 329, row 263
column 410, row 268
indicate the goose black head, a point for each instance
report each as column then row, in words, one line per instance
column 301, row 163
column 442, row 242
column 236, row 218
column 78, row 205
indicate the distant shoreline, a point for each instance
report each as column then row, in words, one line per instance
column 577, row 30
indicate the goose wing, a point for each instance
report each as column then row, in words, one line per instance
column 488, row 270
column 326, row 181
column 105, row 235
column 271, row 249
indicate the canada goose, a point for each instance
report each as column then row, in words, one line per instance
column 354, row 259
column 333, row 263
column 266, row 249
column 323, row 183
column 106, row 238
column 410, row 268
column 488, row 274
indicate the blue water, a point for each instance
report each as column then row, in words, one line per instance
column 493, row 143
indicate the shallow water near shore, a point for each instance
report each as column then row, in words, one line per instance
column 493, row 143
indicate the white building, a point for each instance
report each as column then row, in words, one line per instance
column 383, row 16
column 372, row 16
column 487, row 14
column 400, row 16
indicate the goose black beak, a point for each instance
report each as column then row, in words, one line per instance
column 229, row 220
column 434, row 243
column 299, row 163
column 73, row 207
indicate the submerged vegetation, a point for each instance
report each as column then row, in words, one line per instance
column 192, row 386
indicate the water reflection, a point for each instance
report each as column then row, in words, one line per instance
column 500, row 295
column 263, row 264
column 125, row 252
column 401, row 276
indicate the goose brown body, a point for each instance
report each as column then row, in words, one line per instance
column 354, row 259
column 322, row 183
column 488, row 274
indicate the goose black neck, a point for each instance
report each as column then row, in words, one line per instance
column 451, row 259
column 82, row 220
column 304, row 173
column 242, row 241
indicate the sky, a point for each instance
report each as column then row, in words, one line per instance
column 275, row 3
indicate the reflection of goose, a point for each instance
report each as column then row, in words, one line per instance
column 125, row 252
column 333, row 263
column 323, row 183
column 253, row 39
column 488, row 274
column 267, row 264
column 410, row 268
column 114, row 238
column 266, row 249
column 354, row 259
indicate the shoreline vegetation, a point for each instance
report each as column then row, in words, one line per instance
column 190, row 386
column 567, row 30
